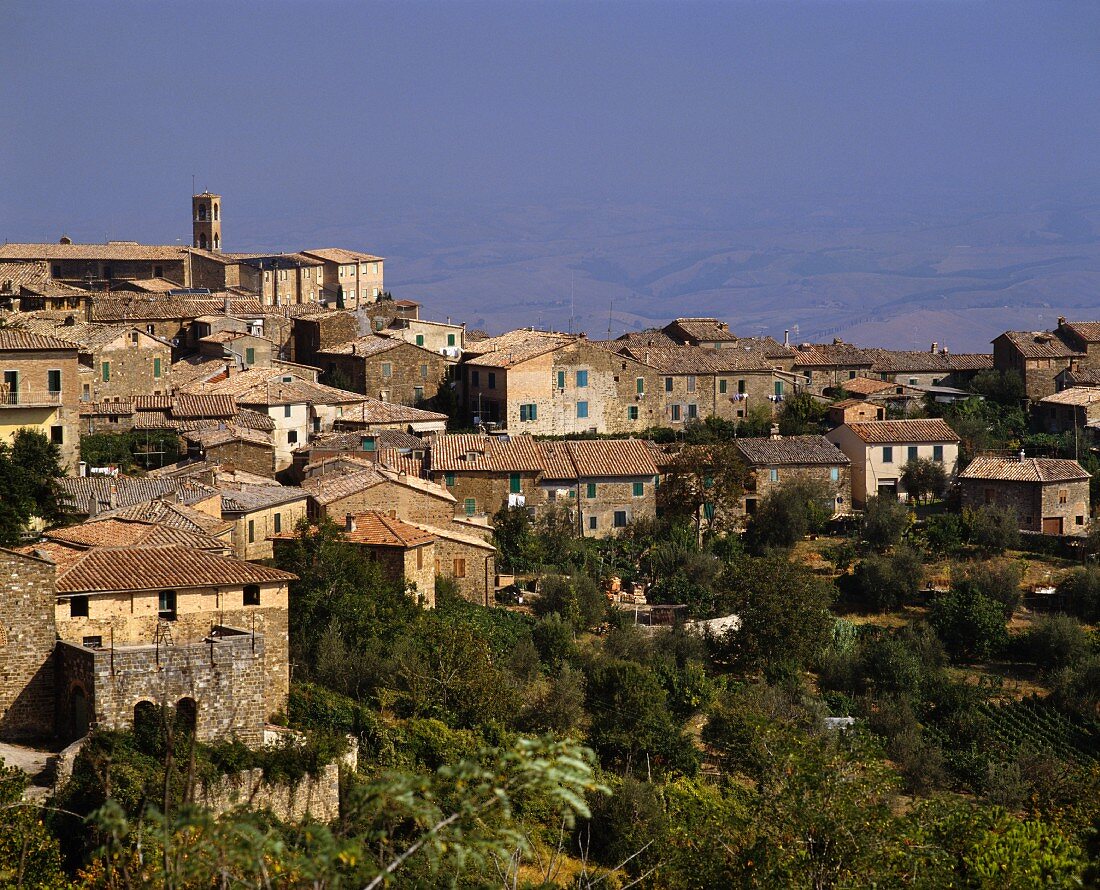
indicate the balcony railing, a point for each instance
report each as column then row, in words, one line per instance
column 28, row 398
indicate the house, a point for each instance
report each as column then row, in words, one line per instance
column 352, row 278
column 284, row 279
column 880, row 449
column 606, row 484
column 830, row 365
column 233, row 446
column 172, row 316
column 1047, row 495
column 319, row 330
column 464, row 556
column 138, row 625
column 202, row 517
column 349, row 486
column 395, row 449
column 775, row 460
column 1077, row 408
column 244, row 348
column 259, row 511
column 91, row 495
column 97, row 266
column 372, row 415
column 855, row 410
column 27, row 286
column 709, row 333
column 442, row 337
column 936, row 367
column 405, row 552
column 389, row 369
column 1038, row 357
column 484, row 473
column 40, row 390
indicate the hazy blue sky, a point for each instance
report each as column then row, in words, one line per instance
column 342, row 111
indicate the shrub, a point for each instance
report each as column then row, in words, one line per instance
column 884, row 522
column 1058, row 641
column 943, row 532
column 971, row 626
column 884, row 582
column 1081, row 590
column 992, row 530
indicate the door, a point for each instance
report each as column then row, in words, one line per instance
column 11, row 387
column 1052, row 525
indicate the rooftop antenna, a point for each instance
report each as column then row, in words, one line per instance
column 192, row 183
column 610, row 309
column 571, row 310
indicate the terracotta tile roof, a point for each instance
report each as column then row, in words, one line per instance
column 887, row 432
column 515, row 347
column 170, row 308
column 1030, row 469
column 797, row 450
column 223, row 435
column 1076, row 395
column 701, row 359
column 473, row 452
column 604, row 457
column 889, row 361
column 451, row 534
column 402, row 461
column 77, row 491
column 649, row 337
column 328, row 489
column 230, row 336
column 865, row 386
column 117, row 532
column 104, row 569
column 14, row 275
column 249, row 498
column 340, row 255
column 151, row 285
column 1040, row 344
column 195, row 370
column 373, row 411
column 825, row 355
column 157, row 402
column 84, row 335
column 264, row 386
column 277, row 260
column 16, row 340
column 117, row 408
column 187, row 406
column 701, row 330
column 1089, row 331
column 171, row 514
column 769, row 346
column 112, row 250
column 376, row 529
column 366, row 346
column 1082, row 377
column 976, row 361
column 353, row 441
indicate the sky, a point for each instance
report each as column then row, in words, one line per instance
column 347, row 112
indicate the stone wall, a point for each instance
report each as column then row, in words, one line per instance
column 409, row 503
column 476, row 585
column 27, row 634
column 1032, row 502
column 614, row 495
column 138, row 365
column 489, row 491
column 248, row 456
column 414, row 374
column 760, row 483
column 225, row 677
column 318, row 797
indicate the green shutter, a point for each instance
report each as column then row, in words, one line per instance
column 471, row 506
column 450, row 339
column 106, row 372
column 640, row 385
column 419, row 339
column 449, row 478
column 156, row 367
column 561, row 379
column 250, row 355
column 639, row 489
column 514, row 485
column 591, row 489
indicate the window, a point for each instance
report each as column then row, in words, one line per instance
column 937, row 453
column 592, row 523
column 460, row 567
column 106, row 371
column 582, row 409
column 1063, row 496
column 668, row 384
column 249, row 355
column 86, row 393
column 632, row 412
column 475, row 378
column 693, row 411
column 292, row 437
column 590, row 490
column 387, row 369
column 779, row 388
column 57, row 271
column 913, row 381
column 95, row 642
column 157, row 368
column 675, row 412
column 492, row 380
column 834, row 474
column 57, row 435
column 887, row 454
column 286, row 410
column 741, row 387
column 133, row 338
column 471, row 506
column 450, row 339
column 773, row 475
column 449, row 479
column 278, row 523
column 251, row 595
column 639, row 489
column 528, row 412
column 420, row 557
column 911, row 452
column 990, row 496
column 722, row 386
column 166, row 605
column 418, row 393
column 251, row 531
column 78, row 607
column 639, row 385
column 53, row 382
column 691, row 383
column 582, row 378
column 561, row 379
column 419, row 339
column 620, row 519
column 423, row 372
column 1080, row 520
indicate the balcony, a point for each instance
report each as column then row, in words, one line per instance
column 28, row 398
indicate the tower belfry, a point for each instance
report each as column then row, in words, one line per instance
column 206, row 221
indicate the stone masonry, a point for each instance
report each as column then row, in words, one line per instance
column 27, row 635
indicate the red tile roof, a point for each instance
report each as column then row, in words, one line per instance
column 887, row 432
column 1030, row 469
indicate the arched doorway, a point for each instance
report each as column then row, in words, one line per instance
column 187, row 716
column 78, row 714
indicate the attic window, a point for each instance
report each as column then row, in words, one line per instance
column 287, row 379
column 251, row 595
column 369, row 443
column 78, row 607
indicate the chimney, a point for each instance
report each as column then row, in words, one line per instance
column 943, row 351
column 93, row 506
column 775, row 431
column 1022, row 458
column 112, row 497
column 935, row 347
column 1061, row 320
column 349, row 523
column 225, row 305
column 392, row 514
column 786, row 338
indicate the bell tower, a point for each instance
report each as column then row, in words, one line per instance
column 206, row 221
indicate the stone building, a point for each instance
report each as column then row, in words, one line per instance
column 98, row 266
column 247, row 350
column 829, row 365
column 936, row 367
column 40, row 390
column 258, row 512
column 317, row 331
column 775, row 460
column 710, row 333
column 206, row 221
column 855, row 411
column 1038, row 357
column 352, row 278
column 352, row 486
column 1072, row 409
column 284, row 279
column 173, row 317
column 374, row 414
column 879, row 451
column 388, row 369
column 442, row 337
column 234, row 446
column 1047, row 495
column 484, row 473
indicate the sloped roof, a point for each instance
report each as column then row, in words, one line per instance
column 865, row 386
column 265, row 386
column 366, row 346
column 888, row 432
column 112, row 250
column 1040, row 344
column 467, row 452
column 1089, row 331
column 104, row 569
column 592, row 458
column 222, row 435
column 170, row 514
column 188, row 406
column 372, row 411
column 328, row 489
column 790, row 450
column 340, row 255
column 376, row 529
column 170, row 308
column 1075, row 395
column 840, row 354
column 249, row 498
column 1030, row 469
column 649, row 337
column 119, row 532
column 451, row 534
column 892, row 361
column 704, row 330
column 700, row 359
column 18, row 340
column 77, row 491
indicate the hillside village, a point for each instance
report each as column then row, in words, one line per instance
column 215, row 415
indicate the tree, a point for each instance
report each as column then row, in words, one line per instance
column 992, row 529
column 703, row 483
column 995, row 579
column 884, row 581
column 971, row 626
column 1058, row 641
column 29, row 855
column 514, row 539
column 784, row 612
column 923, row 478
column 576, row 598
column 801, row 415
column 885, row 520
column 29, row 472
column 1081, row 591
column 795, row 508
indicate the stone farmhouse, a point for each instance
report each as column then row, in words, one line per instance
column 1047, row 495
column 775, row 460
column 388, row 369
column 235, row 446
column 879, row 451
column 1077, row 408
